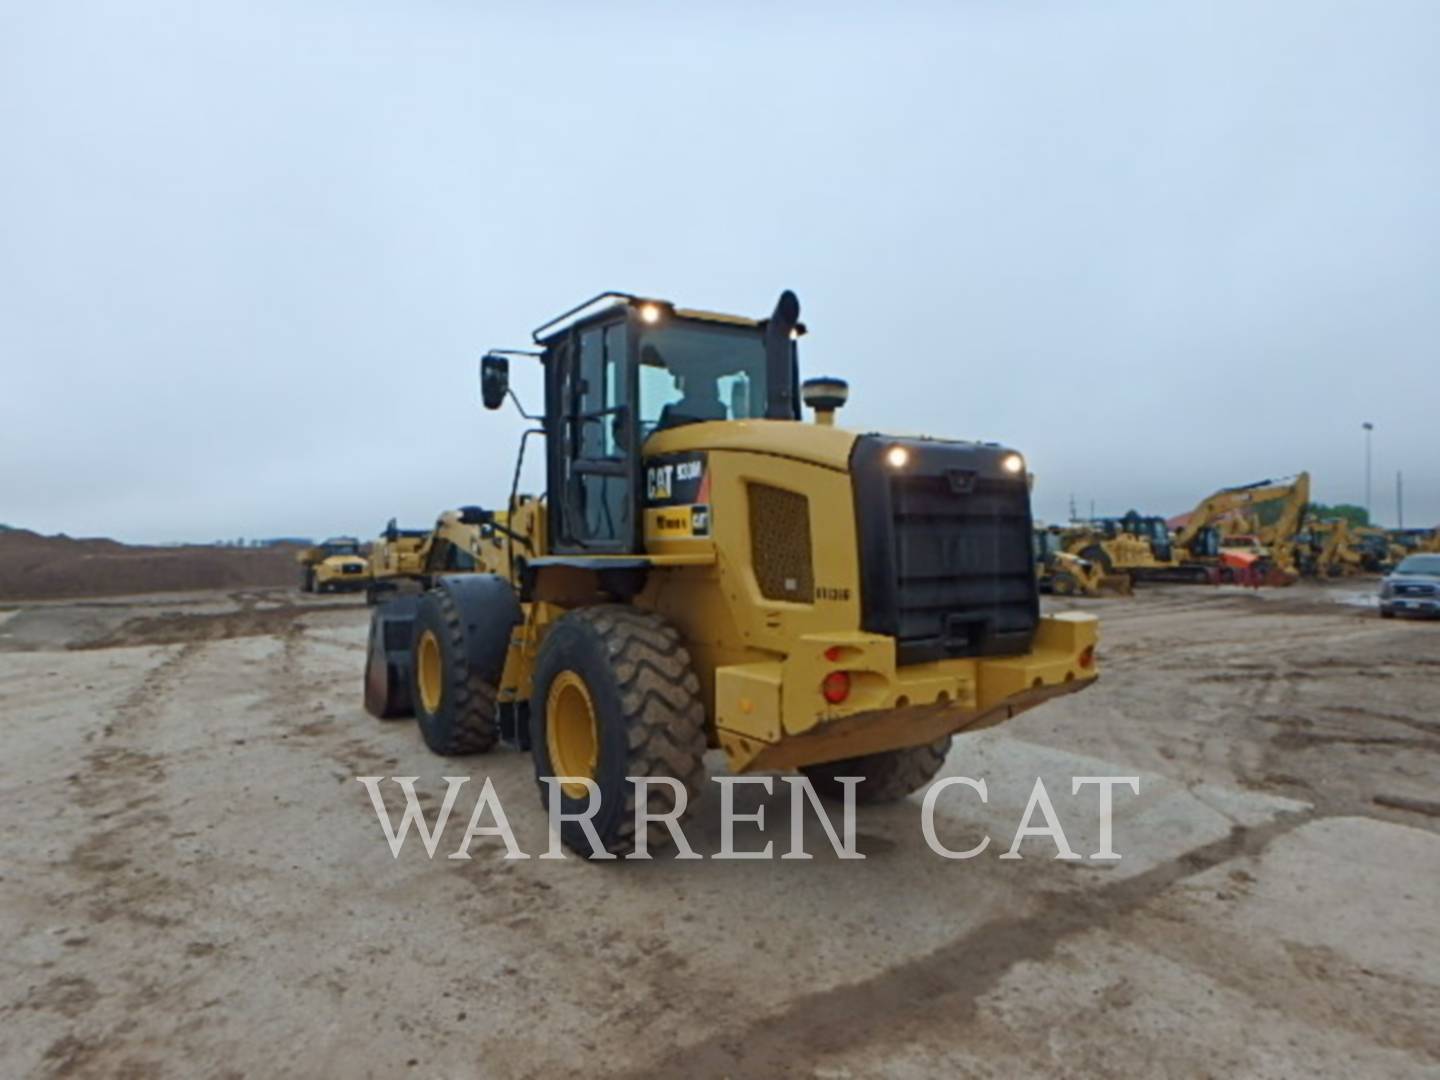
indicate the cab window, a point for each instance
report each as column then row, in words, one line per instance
column 691, row 373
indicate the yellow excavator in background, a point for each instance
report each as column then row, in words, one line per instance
column 1379, row 551
column 1328, row 548
column 1256, row 526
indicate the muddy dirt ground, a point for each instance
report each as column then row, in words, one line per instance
column 192, row 882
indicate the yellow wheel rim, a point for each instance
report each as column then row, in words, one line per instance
column 430, row 672
column 570, row 731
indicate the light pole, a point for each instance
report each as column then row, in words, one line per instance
column 1369, row 428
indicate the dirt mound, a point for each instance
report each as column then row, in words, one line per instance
column 35, row 567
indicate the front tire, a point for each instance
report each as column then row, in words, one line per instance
column 454, row 706
column 615, row 695
column 888, row 776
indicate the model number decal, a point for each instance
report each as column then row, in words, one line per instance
column 826, row 592
column 675, row 481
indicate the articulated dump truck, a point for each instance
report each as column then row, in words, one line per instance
column 336, row 565
column 706, row 570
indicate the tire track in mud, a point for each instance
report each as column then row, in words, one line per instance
column 1256, row 677
column 257, row 615
column 152, row 687
column 117, row 787
column 116, row 870
column 305, row 711
column 110, row 884
column 1295, row 735
column 945, row 986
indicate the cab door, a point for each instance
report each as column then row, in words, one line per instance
column 592, row 463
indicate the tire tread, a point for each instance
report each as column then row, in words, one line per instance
column 662, row 710
column 474, row 727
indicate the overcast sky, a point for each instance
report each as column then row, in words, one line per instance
column 251, row 252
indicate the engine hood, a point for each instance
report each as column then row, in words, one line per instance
column 816, row 444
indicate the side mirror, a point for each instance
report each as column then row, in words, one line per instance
column 494, row 380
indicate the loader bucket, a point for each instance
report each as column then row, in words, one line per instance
column 387, row 662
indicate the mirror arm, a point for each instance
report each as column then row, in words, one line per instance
column 475, row 515
column 521, row 408
column 513, row 535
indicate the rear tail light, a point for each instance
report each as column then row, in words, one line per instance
column 836, row 687
column 1087, row 657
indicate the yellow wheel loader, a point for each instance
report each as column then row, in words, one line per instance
column 708, row 571
column 1063, row 574
column 1137, row 547
column 336, row 565
column 398, row 552
column 414, row 558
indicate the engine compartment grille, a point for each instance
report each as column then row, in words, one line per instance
column 780, row 550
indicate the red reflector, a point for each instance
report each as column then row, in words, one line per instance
column 836, row 687
column 832, row 653
column 1087, row 657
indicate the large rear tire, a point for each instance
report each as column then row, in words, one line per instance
column 615, row 695
column 888, row 776
column 454, row 706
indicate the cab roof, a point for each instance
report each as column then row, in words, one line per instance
column 605, row 302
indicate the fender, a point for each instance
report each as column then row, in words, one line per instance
column 490, row 612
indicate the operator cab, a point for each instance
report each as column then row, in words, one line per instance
column 1152, row 529
column 1048, row 542
column 340, row 545
column 619, row 368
